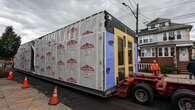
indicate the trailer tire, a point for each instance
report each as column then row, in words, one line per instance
column 183, row 99
column 143, row 93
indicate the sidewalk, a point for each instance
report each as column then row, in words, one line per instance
column 13, row 97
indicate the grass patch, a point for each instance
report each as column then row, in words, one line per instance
column 3, row 74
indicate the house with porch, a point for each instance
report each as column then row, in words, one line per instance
column 166, row 42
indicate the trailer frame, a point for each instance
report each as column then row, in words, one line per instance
column 158, row 85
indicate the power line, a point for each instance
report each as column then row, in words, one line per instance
column 190, row 22
column 134, row 2
column 168, row 6
column 124, row 16
column 184, row 16
column 131, row 4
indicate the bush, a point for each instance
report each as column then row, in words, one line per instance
column 146, row 71
column 3, row 74
column 167, row 69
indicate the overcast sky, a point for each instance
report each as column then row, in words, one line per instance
column 34, row 18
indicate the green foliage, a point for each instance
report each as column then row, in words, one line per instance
column 3, row 74
column 9, row 43
column 146, row 71
column 167, row 69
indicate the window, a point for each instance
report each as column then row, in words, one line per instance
column 157, row 25
column 142, row 52
column 172, row 51
column 163, row 24
column 152, row 26
column 148, row 52
column 120, row 51
column 150, row 39
column 153, row 52
column 160, row 52
column 165, row 36
column 171, row 35
column 166, row 51
column 167, row 24
column 130, row 53
column 178, row 34
column 193, row 53
column 140, row 41
column 145, row 40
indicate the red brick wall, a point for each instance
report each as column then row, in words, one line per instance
column 160, row 60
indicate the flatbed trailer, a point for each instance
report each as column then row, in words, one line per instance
column 144, row 87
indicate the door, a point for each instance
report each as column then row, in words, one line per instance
column 124, row 54
column 183, row 54
column 121, row 57
column 130, row 52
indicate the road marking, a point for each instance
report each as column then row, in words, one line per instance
column 34, row 108
column 24, row 100
column 20, row 94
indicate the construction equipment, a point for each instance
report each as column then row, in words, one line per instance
column 10, row 76
column 54, row 98
column 25, row 83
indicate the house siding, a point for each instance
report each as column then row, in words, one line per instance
column 185, row 34
column 157, row 36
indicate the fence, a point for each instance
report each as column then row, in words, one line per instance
column 144, row 67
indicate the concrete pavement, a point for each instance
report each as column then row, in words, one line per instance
column 13, row 97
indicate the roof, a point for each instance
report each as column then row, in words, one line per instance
column 171, row 27
column 114, row 22
column 158, row 20
column 167, row 43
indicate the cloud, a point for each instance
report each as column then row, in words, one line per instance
column 34, row 18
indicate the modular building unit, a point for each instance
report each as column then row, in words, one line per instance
column 92, row 55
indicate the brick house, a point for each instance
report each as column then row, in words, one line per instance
column 167, row 42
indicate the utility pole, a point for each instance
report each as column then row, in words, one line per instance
column 136, row 15
column 137, row 20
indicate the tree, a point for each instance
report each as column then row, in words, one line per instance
column 9, row 43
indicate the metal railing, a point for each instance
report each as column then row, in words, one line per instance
column 144, row 67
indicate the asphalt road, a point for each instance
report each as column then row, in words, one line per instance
column 78, row 100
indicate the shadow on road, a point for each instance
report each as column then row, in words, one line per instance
column 78, row 100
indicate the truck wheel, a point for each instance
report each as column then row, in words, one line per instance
column 184, row 99
column 143, row 93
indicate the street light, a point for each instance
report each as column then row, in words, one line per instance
column 135, row 15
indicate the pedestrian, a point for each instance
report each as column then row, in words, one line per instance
column 155, row 68
column 191, row 69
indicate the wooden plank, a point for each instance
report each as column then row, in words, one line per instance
column 180, row 81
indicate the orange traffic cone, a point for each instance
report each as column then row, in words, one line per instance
column 10, row 76
column 54, row 98
column 25, row 83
